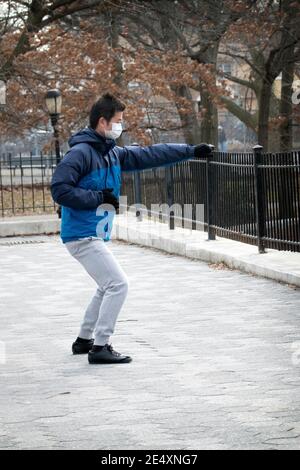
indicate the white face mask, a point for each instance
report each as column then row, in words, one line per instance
column 115, row 131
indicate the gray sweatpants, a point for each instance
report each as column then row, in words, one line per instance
column 103, row 310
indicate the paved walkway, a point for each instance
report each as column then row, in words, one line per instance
column 216, row 356
column 283, row 266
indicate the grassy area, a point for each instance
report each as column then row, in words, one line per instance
column 19, row 200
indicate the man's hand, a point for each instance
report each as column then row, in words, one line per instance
column 109, row 198
column 202, row 150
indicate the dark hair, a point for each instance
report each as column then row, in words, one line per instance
column 106, row 106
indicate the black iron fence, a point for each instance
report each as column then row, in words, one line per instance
column 25, row 184
column 253, row 197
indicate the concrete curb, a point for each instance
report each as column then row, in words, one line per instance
column 29, row 225
column 281, row 266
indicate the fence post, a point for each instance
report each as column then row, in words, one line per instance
column 137, row 194
column 137, row 190
column 172, row 221
column 259, row 198
column 209, row 195
column 170, row 195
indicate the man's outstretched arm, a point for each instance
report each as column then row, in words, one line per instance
column 134, row 158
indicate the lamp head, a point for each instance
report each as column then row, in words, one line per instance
column 54, row 102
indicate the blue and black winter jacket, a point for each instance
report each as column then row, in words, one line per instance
column 94, row 163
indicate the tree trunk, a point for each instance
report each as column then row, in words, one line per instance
column 286, row 191
column 264, row 113
column 191, row 129
column 209, row 125
column 286, row 107
column 114, row 31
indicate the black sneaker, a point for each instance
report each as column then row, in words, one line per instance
column 107, row 355
column 81, row 346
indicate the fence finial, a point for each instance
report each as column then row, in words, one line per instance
column 257, row 147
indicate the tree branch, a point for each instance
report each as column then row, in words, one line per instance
column 240, row 81
column 249, row 119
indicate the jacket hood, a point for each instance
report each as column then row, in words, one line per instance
column 90, row 136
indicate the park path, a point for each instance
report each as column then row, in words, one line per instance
column 216, row 356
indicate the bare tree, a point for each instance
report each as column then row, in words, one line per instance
column 32, row 16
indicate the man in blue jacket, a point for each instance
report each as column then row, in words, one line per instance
column 86, row 183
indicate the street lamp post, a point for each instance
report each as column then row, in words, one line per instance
column 53, row 103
